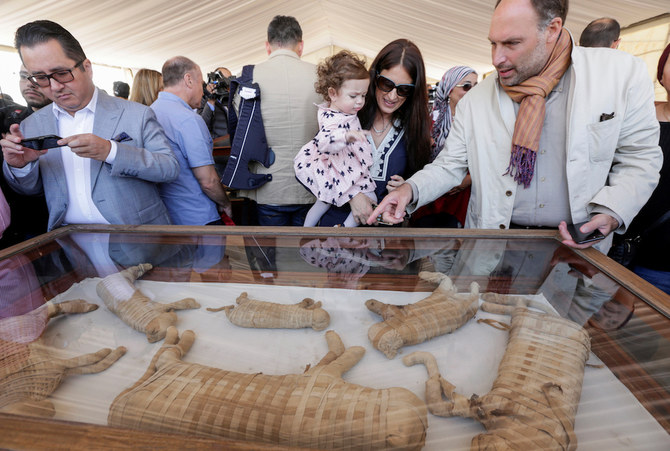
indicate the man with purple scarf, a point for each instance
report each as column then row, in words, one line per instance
column 561, row 134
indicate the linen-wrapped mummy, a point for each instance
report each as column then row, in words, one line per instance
column 29, row 372
column 535, row 396
column 270, row 315
column 316, row 409
column 136, row 309
column 441, row 313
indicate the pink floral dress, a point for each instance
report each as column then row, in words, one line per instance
column 331, row 169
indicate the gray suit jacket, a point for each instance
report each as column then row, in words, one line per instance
column 125, row 192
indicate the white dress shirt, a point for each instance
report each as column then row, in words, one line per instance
column 81, row 208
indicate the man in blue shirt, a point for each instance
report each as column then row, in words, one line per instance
column 197, row 196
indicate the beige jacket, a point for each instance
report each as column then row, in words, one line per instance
column 290, row 119
column 613, row 163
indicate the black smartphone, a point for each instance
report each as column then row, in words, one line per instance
column 580, row 237
column 41, row 142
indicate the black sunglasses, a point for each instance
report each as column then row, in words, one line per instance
column 466, row 86
column 61, row 76
column 387, row 85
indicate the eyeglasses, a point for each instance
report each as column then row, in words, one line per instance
column 466, row 86
column 61, row 76
column 387, row 85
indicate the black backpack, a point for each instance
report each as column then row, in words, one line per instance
column 247, row 135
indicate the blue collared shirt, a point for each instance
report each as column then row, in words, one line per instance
column 192, row 144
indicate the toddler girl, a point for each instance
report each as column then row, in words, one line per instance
column 335, row 165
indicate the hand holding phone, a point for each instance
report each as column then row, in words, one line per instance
column 41, row 142
column 581, row 237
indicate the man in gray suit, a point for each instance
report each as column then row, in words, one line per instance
column 112, row 154
column 289, row 118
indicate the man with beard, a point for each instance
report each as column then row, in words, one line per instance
column 32, row 95
column 29, row 214
column 562, row 133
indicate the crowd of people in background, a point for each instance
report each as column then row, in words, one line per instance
column 551, row 138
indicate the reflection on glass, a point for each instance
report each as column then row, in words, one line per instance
column 103, row 254
column 20, row 291
column 347, row 259
column 626, row 334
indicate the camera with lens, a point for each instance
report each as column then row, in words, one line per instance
column 221, row 86
column 10, row 113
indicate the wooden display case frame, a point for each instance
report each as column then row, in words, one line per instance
column 18, row 432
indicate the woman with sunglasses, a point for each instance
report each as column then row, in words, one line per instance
column 450, row 209
column 396, row 114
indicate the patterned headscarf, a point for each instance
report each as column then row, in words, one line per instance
column 441, row 112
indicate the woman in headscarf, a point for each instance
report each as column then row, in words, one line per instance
column 448, row 210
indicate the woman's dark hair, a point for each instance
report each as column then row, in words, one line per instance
column 337, row 69
column 41, row 31
column 413, row 113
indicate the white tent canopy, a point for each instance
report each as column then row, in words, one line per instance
column 144, row 33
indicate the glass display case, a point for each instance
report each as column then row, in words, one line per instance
column 491, row 313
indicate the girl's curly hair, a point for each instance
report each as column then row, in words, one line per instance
column 337, row 69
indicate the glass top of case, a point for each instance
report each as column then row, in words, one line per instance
column 624, row 319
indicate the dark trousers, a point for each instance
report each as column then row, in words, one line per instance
column 282, row 215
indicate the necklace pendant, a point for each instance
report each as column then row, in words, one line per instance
column 382, row 130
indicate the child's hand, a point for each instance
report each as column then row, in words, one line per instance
column 356, row 135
